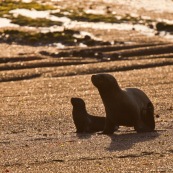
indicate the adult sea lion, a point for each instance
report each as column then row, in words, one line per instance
column 126, row 107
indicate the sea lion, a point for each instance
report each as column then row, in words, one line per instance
column 124, row 107
column 83, row 121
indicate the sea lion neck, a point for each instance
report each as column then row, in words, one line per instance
column 108, row 96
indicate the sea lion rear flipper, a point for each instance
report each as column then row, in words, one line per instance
column 147, row 116
column 150, row 113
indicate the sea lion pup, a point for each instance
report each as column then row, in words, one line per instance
column 83, row 121
column 126, row 107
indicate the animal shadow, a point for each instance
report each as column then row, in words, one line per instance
column 84, row 135
column 122, row 142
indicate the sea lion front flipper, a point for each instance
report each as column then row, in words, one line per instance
column 109, row 127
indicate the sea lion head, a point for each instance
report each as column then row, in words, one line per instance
column 77, row 102
column 78, row 106
column 104, row 81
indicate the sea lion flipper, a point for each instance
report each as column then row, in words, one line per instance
column 150, row 113
column 109, row 127
column 139, row 125
column 147, row 117
column 142, row 128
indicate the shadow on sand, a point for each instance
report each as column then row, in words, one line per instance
column 84, row 135
column 120, row 142
column 126, row 141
